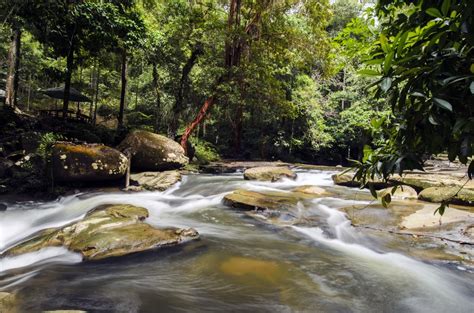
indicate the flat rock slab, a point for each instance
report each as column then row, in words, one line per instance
column 401, row 192
column 425, row 218
column 269, row 173
column 311, row 190
column 232, row 166
column 107, row 231
column 153, row 181
column 252, row 200
column 7, row 302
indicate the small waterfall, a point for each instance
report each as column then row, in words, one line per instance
column 435, row 290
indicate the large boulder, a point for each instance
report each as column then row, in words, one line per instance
column 448, row 194
column 87, row 162
column 252, row 200
column 107, row 231
column 348, row 180
column 269, row 173
column 153, row 152
column 154, row 181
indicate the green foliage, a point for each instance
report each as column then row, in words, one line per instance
column 424, row 57
column 205, row 152
column 46, row 143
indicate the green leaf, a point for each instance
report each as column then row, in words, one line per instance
column 432, row 120
column 386, row 84
column 401, row 43
column 374, row 62
column 472, row 68
column 434, row 12
column 387, row 63
column 471, row 87
column 367, row 72
column 384, row 43
column 373, row 192
column 386, row 199
column 418, row 94
column 445, row 7
column 440, row 209
column 443, row 104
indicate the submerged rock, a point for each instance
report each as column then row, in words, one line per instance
column 153, row 152
column 159, row 181
column 87, row 162
column 7, row 302
column 448, row 194
column 402, row 192
column 108, row 231
column 269, row 173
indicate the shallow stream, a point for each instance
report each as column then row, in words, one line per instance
column 240, row 264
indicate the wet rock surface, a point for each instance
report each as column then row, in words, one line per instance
column 105, row 232
column 7, row 302
column 448, row 194
column 87, row 162
column 153, row 181
column 269, row 173
column 153, row 152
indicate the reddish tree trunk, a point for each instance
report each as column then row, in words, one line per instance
column 201, row 115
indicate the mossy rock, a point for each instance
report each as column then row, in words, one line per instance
column 87, row 162
column 153, row 152
column 448, row 194
column 107, row 231
column 269, row 173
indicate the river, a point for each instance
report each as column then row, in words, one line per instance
column 240, row 264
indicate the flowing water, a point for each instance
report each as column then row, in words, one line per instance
column 239, row 265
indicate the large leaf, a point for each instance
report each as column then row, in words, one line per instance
column 434, row 12
column 443, row 104
column 445, row 7
column 386, row 83
column 384, row 43
column 472, row 87
column 367, row 72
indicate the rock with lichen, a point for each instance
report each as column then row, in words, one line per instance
column 87, row 162
column 153, row 152
column 108, row 231
column 269, row 173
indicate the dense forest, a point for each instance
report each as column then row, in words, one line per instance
column 290, row 80
column 236, row 156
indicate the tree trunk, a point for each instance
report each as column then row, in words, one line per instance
column 124, row 89
column 96, row 93
column 178, row 105
column 238, row 129
column 67, row 83
column 13, row 68
column 201, row 115
column 158, row 98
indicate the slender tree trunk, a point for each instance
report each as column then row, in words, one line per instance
column 238, row 129
column 124, row 89
column 158, row 98
column 13, row 68
column 96, row 100
column 67, row 83
column 201, row 115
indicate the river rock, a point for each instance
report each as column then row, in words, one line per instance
column 153, row 181
column 251, row 200
column 87, row 162
column 311, row 190
column 448, row 194
column 107, row 231
column 153, row 152
column 402, row 192
column 269, row 173
column 425, row 218
column 347, row 179
column 7, row 302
